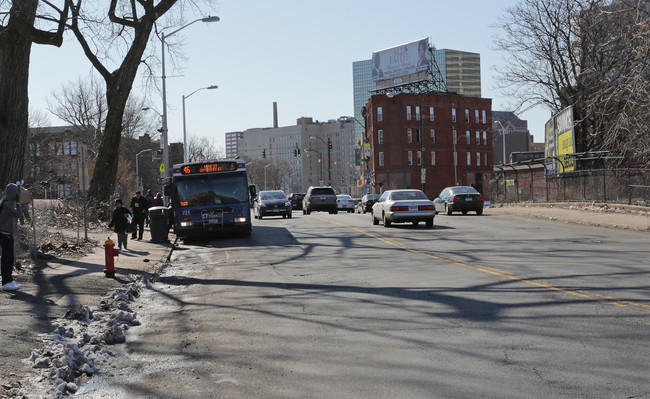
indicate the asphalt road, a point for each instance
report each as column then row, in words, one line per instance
column 330, row 306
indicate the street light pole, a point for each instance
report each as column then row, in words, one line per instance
column 165, row 130
column 184, row 128
column 328, row 144
column 265, row 175
column 503, row 141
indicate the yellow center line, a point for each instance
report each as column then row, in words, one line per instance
column 494, row 271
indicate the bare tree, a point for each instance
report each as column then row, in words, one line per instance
column 18, row 30
column 122, row 34
column 589, row 54
column 202, row 148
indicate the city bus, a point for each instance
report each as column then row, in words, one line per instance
column 210, row 197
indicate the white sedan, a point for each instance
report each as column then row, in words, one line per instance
column 403, row 206
column 345, row 203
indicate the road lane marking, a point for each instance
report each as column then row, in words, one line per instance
column 495, row 271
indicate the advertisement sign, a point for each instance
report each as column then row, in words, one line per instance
column 565, row 142
column 401, row 61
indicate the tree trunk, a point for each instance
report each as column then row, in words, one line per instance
column 15, row 51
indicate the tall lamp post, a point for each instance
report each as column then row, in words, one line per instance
column 503, row 141
column 328, row 143
column 164, row 91
column 265, row 175
column 184, row 129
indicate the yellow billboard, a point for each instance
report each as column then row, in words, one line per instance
column 564, row 148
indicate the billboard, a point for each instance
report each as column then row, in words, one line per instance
column 560, row 140
column 401, row 64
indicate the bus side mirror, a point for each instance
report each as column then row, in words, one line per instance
column 252, row 190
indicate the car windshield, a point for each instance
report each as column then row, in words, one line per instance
column 344, row 197
column 322, row 191
column 464, row 190
column 407, row 195
column 272, row 195
column 373, row 196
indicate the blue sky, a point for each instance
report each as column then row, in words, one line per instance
column 297, row 53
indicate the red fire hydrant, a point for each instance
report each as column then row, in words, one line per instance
column 109, row 253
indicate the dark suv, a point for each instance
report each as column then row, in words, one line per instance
column 296, row 200
column 319, row 199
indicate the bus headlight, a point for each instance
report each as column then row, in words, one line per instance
column 240, row 220
column 185, row 224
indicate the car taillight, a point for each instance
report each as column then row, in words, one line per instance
column 396, row 208
column 455, row 198
column 425, row 208
column 480, row 198
column 309, row 197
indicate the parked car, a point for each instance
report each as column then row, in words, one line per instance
column 271, row 203
column 365, row 205
column 345, row 203
column 296, row 200
column 403, row 206
column 319, row 199
column 459, row 199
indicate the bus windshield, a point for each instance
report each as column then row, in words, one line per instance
column 213, row 189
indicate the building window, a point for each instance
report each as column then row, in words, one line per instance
column 66, row 148
column 469, row 159
column 409, row 135
column 468, row 139
column 408, row 112
column 478, row 159
column 478, row 138
column 485, row 159
column 417, row 112
column 476, row 118
column 433, row 158
column 419, row 157
column 380, row 114
column 380, row 136
column 484, row 137
column 35, row 149
column 381, row 158
column 431, row 114
column 410, row 158
column 466, row 115
column 432, row 132
column 484, row 117
column 59, row 148
column 419, row 135
column 453, row 114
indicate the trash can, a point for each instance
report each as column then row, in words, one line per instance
column 159, row 223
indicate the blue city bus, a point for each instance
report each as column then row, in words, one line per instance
column 210, row 197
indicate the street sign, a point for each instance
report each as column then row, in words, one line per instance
column 157, row 159
column 366, row 149
column 162, row 167
column 424, row 175
column 367, row 185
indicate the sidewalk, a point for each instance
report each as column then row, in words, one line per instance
column 605, row 215
column 62, row 285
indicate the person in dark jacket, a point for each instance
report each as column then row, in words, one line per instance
column 8, row 215
column 158, row 201
column 120, row 221
column 139, row 205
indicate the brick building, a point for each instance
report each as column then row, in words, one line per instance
column 446, row 136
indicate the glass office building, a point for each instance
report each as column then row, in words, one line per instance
column 363, row 85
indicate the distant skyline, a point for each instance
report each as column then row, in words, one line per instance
column 298, row 54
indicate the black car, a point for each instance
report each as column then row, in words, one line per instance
column 296, row 200
column 272, row 203
column 459, row 199
column 365, row 205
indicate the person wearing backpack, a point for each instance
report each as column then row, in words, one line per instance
column 8, row 215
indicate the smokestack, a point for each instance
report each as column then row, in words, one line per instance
column 275, row 115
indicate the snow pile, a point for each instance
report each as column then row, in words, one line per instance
column 594, row 207
column 79, row 345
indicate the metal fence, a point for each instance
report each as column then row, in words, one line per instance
column 533, row 183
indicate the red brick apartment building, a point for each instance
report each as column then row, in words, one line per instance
column 447, row 136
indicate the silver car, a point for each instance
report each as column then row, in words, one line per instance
column 403, row 206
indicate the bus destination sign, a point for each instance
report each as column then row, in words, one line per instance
column 209, row 167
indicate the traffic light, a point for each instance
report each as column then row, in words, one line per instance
column 374, row 184
column 329, row 144
column 295, row 152
column 264, row 153
column 298, row 151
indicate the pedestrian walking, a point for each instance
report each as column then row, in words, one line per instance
column 150, row 199
column 139, row 205
column 158, row 201
column 24, row 199
column 8, row 215
column 121, row 219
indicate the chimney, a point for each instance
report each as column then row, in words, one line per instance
column 275, row 115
